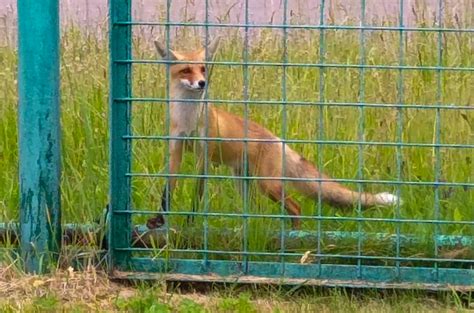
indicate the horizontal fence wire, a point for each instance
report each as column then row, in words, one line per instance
column 297, row 179
column 301, row 141
column 301, row 26
column 447, row 106
column 208, row 252
column 292, row 254
column 309, row 65
column 307, row 217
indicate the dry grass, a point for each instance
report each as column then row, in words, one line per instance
column 90, row 288
column 91, row 291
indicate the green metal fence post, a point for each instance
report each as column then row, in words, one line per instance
column 120, row 87
column 39, row 132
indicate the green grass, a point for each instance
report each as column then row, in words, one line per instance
column 84, row 91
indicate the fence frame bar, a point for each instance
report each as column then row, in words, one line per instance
column 120, row 149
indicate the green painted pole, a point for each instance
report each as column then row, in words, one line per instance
column 39, row 133
column 120, row 149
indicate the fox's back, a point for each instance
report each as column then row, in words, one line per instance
column 226, row 125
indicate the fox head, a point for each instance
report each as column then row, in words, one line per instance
column 191, row 77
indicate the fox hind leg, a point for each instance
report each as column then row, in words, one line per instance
column 274, row 190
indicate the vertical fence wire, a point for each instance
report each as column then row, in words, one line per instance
column 437, row 135
column 322, row 52
column 361, row 135
column 246, row 119
column 400, row 96
column 206, row 148
column 284, row 133
column 168, row 121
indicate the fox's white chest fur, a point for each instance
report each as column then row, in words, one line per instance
column 185, row 116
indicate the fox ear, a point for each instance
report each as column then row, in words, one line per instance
column 211, row 48
column 162, row 51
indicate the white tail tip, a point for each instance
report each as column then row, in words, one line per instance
column 386, row 198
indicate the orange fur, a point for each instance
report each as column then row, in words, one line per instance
column 264, row 158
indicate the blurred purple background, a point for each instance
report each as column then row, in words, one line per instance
column 92, row 14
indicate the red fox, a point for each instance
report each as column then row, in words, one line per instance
column 188, row 81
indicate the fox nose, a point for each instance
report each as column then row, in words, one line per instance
column 202, row 83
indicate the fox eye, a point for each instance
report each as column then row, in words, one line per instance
column 186, row 70
column 203, row 69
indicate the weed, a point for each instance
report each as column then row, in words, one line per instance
column 240, row 304
column 146, row 301
column 190, row 306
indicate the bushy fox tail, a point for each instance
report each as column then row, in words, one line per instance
column 331, row 192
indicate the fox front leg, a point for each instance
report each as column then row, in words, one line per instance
column 176, row 156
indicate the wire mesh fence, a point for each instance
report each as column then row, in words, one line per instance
column 386, row 110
